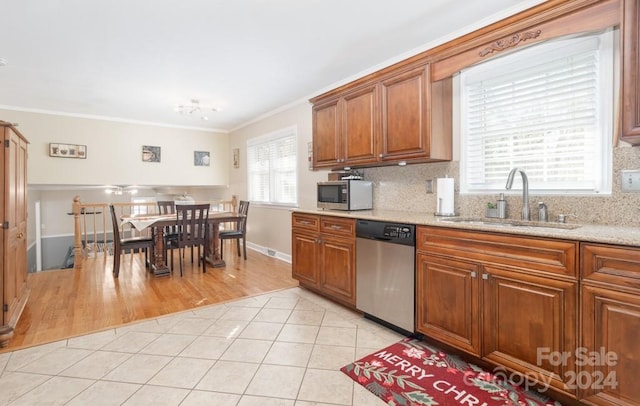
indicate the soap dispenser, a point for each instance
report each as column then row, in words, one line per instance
column 502, row 207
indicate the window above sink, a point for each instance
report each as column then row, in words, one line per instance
column 548, row 109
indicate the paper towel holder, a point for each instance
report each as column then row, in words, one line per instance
column 454, row 214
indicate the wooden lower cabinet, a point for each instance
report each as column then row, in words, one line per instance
column 337, row 265
column 305, row 258
column 527, row 320
column 503, row 313
column 611, row 325
column 610, row 319
column 448, row 301
column 324, row 255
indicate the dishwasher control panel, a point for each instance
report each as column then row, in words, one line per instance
column 394, row 233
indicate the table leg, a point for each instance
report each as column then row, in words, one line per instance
column 159, row 261
column 212, row 255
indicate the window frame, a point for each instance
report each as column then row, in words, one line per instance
column 607, row 93
column 271, row 139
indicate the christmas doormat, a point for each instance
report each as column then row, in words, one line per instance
column 412, row 372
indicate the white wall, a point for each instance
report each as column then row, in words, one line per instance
column 269, row 226
column 114, row 152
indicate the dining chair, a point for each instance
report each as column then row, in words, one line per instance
column 192, row 230
column 240, row 233
column 170, row 232
column 121, row 245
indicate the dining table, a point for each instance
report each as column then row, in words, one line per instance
column 158, row 223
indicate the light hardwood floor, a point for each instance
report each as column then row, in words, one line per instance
column 66, row 303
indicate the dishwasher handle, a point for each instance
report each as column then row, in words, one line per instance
column 375, row 238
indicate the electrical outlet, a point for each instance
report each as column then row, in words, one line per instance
column 630, row 181
column 428, row 185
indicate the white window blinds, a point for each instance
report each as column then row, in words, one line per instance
column 272, row 172
column 546, row 109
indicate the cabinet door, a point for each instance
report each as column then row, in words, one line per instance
column 447, row 301
column 360, row 124
column 338, row 265
column 405, row 115
column 327, row 134
column 610, row 323
column 631, row 72
column 305, row 258
column 525, row 316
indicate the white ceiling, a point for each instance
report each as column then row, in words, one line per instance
column 137, row 59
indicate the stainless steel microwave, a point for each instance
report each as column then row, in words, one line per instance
column 345, row 195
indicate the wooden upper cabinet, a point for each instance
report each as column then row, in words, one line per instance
column 326, row 133
column 345, row 129
column 405, row 115
column 631, row 72
column 360, row 125
column 384, row 121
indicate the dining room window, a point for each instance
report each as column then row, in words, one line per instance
column 546, row 109
column 272, row 168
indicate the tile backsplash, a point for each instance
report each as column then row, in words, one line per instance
column 404, row 188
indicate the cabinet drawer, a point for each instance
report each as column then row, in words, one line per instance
column 538, row 255
column 611, row 264
column 338, row 226
column 305, row 221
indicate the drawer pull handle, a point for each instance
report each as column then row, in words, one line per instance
column 336, row 227
column 305, row 222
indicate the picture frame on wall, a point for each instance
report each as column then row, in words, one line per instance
column 151, row 153
column 59, row 150
column 201, row 158
column 236, row 158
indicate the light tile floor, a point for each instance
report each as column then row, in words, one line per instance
column 281, row 348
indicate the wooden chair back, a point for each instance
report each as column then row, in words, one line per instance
column 192, row 228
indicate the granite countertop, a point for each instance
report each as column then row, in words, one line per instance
column 585, row 232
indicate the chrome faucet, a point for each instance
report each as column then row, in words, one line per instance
column 525, row 191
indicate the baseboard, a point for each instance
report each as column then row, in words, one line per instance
column 269, row 252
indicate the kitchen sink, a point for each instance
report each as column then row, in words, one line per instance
column 511, row 223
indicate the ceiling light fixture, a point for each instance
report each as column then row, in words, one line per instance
column 195, row 109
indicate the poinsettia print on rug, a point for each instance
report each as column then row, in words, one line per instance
column 412, row 372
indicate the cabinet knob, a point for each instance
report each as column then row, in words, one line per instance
column 485, row 276
column 474, row 274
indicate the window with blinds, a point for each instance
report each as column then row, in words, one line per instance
column 546, row 109
column 272, row 169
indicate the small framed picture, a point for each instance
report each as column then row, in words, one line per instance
column 236, row 158
column 67, row 150
column 201, row 158
column 150, row 153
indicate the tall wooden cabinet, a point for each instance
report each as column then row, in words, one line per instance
column 13, row 233
column 630, row 88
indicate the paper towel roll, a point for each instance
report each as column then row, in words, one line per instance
column 445, row 204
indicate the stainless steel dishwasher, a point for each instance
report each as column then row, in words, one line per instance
column 385, row 272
